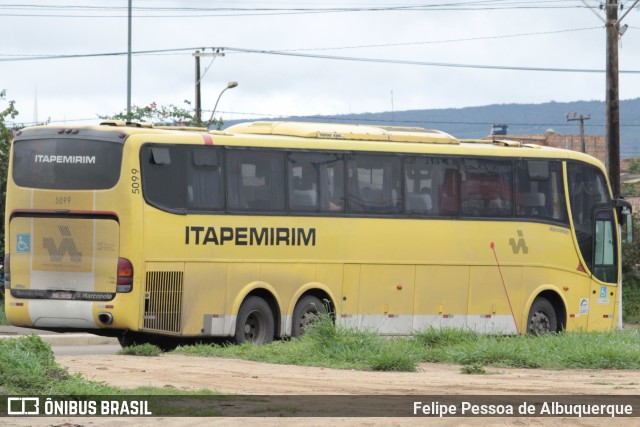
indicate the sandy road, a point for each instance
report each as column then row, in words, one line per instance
column 252, row 378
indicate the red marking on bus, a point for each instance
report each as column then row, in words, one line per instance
column 207, row 139
column 485, row 316
column 580, row 268
column 572, row 315
column 447, row 316
column 504, row 285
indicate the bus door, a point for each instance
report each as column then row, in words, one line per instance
column 604, row 282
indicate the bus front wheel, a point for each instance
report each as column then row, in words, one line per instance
column 308, row 310
column 542, row 318
column 255, row 322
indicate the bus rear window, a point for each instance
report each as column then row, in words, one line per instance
column 66, row 164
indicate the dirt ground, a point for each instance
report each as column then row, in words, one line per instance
column 248, row 378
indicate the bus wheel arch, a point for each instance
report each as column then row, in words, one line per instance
column 258, row 318
column 547, row 314
column 311, row 304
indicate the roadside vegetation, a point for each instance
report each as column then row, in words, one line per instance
column 327, row 345
column 29, row 368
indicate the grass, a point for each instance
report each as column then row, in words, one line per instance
column 29, row 368
column 327, row 345
column 631, row 299
column 3, row 315
column 141, row 350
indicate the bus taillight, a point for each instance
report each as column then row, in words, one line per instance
column 125, row 275
column 7, row 273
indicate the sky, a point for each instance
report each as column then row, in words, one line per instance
column 306, row 57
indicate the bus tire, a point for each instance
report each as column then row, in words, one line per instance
column 129, row 339
column 542, row 318
column 255, row 323
column 308, row 310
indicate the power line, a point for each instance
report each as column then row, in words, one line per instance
column 325, row 57
column 424, row 63
column 207, row 12
column 505, row 36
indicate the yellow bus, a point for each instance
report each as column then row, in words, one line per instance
column 155, row 234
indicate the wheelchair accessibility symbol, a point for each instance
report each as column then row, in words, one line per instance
column 23, row 243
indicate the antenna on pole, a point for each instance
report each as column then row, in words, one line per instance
column 393, row 111
column 35, row 107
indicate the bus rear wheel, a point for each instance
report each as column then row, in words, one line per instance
column 255, row 322
column 542, row 318
column 308, row 310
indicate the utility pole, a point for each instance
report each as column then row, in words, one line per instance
column 129, row 66
column 612, row 112
column 580, row 118
column 198, row 104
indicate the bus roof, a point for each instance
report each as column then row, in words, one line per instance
column 317, row 135
column 345, row 132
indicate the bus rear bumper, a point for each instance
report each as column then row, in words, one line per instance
column 62, row 314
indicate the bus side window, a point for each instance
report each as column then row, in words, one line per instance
column 486, row 188
column 204, row 180
column 418, row 182
column 303, row 183
column 540, row 191
column 450, row 195
column 255, row 179
column 163, row 178
column 374, row 184
column 316, row 182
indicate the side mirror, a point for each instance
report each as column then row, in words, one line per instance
column 627, row 226
column 625, row 219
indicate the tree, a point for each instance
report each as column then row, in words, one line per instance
column 170, row 115
column 6, row 135
column 634, row 166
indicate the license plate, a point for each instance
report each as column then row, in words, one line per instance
column 61, row 295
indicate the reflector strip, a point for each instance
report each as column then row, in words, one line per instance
column 391, row 316
column 447, row 316
column 572, row 315
column 485, row 316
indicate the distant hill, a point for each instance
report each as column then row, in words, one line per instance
column 475, row 122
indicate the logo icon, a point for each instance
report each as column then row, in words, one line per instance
column 67, row 246
column 520, row 245
column 603, row 291
column 23, row 406
column 23, row 243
